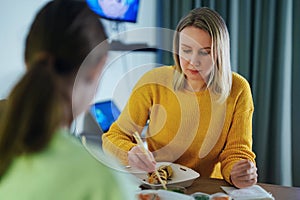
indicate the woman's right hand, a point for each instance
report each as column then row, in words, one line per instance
column 137, row 158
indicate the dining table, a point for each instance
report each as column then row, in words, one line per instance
column 211, row 186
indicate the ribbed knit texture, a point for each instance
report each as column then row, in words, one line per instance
column 188, row 128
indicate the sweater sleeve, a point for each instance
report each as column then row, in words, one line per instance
column 239, row 139
column 119, row 140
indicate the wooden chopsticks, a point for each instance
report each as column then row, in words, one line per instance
column 141, row 144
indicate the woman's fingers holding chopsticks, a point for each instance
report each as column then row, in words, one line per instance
column 138, row 158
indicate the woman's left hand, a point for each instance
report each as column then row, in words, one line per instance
column 243, row 174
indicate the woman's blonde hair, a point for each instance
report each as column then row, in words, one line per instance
column 220, row 79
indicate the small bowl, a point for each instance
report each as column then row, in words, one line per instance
column 217, row 196
column 201, row 196
column 176, row 188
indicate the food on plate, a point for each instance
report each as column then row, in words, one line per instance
column 148, row 196
column 201, row 197
column 165, row 172
column 221, row 198
column 177, row 189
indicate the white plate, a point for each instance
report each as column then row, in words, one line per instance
column 182, row 176
column 167, row 195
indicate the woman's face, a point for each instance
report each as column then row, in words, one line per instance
column 195, row 54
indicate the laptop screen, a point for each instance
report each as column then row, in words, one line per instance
column 105, row 113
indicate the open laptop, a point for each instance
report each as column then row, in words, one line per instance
column 98, row 120
column 105, row 113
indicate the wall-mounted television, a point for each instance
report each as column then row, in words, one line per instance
column 116, row 10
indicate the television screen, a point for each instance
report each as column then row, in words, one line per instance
column 117, row 10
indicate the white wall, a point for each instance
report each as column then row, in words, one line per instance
column 15, row 18
column 123, row 69
column 116, row 82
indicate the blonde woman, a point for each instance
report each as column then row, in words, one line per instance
column 199, row 111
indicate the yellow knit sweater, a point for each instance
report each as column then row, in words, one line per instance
column 188, row 128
